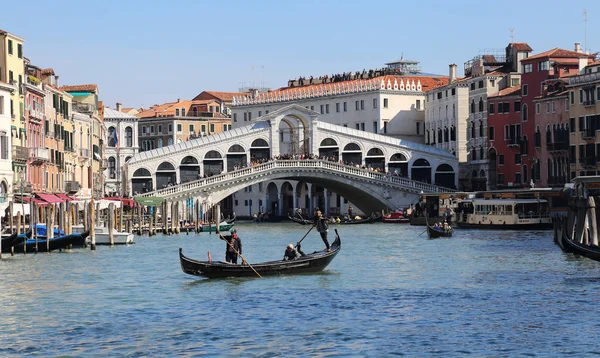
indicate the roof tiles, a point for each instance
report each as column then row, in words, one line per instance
column 80, row 88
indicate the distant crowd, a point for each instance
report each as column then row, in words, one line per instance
column 344, row 76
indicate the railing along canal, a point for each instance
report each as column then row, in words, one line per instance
column 286, row 164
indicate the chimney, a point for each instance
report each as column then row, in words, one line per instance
column 119, row 106
column 56, row 82
column 578, row 47
column 583, row 61
column 452, row 74
column 178, row 100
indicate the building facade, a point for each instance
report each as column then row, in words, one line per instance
column 121, row 145
column 6, row 170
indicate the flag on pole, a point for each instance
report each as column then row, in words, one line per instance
column 115, row 137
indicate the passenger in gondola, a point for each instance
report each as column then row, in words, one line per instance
column 350, row 211
column 234, row 243
column 437, row 226
column 321, row 223
column 292, row 253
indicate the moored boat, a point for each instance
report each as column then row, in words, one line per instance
column 300, row 221
column 102, row 236
column 395, row 218
column 504, row 214
column 11, row 240
column 314, row 262
column 213, row 227
column 56, row 243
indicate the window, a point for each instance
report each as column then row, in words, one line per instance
column 491, row 134
column 385, row 127
column 235, row 117
column 525, row 90
column 159, row 128
column 537, row 108
column 480, row 84
column 362, row 126
column 357, row 126
column 19, row 51
column 10, row 47
column 572, row 125
column 3, row 147
column 327, row 108
column 152, row 129
column 191, row 128
column 375, row 100
column 580, row 96
column 362, row 104
column 245, row 116
column 527, row 68
column 203, row 129
column 439, row 95
column 249, row 116
column 183, row 112
column 176, row 112
column 259, row 113
column 524, row 113
column 491, row 109
column 572, row 96
column 212, row 128
column 345, row 106
column 500, row 178
column 454, row 91
column 472, row 106
column 312, row 108
column 419, row 106
column 473, row 86
column 543, row 66
column 322, row 109
column 481, row 104
column 10, row 77
column 374, row 126
column 500, row 159
column 517, row 106
column 385, row 103
column 518, row 158
column 128, row 137
column 337, row 107
column 357, row 105
column 179, row 128
column 170, row 128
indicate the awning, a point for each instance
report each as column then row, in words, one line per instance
column 65, row 197
column 35, row 200
column 97, row 156
column 149, row 201
column 50, row 198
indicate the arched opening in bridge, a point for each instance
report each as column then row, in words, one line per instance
column 493, row 165
column 141, row 181
column 398, row 164
column 421, row 171
column 272, row 204
column 303, row 196
column 287, row 196
column 212, row 163
column 318, row 195
column 329, row 148
column 444, row 176
column 259, row 150
column 165, row 175
column 236, row 157
column 375, row 159
column 294, row 135
column 352, row 154
column 189, row 169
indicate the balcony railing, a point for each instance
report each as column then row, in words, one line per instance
column 589, row 103
column 39, row 154
column 83, row 107
column 513, row 142
column 36, row 115
column 20, row 153
column 84, row 153
column 588, row 133
column 585, row 78
column 558, row 146
column 588, row 161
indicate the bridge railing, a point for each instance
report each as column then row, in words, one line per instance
column 305, row 163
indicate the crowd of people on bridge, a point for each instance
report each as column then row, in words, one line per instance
column 344, row 76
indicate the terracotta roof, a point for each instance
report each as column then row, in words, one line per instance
column 521, row 46
column 48, row 71
column 595, row 63
column 557, row 52
column 125, row 110
column 223, row 96
column 168, row 109
column 506, row 92
column 80, row 88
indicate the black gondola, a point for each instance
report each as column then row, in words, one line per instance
column 300, row 221
column 435, row 233
column 314, row 262
column 10, row 241
column 55, row 243
column 370, row 219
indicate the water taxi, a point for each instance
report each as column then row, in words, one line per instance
column 504, row 214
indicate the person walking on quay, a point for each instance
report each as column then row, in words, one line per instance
column 322, row 227
column 234, row 243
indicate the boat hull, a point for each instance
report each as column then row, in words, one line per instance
column 528, row 226
column 435, row 234
column 55, row 244
column 310, row 263
column 102, row 237
column 212, row 228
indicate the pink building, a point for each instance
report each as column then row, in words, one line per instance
column 34, row 127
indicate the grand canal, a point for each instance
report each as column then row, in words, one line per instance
column 389, row 291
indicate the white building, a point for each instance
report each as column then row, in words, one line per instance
column 6, row 171
column 126, row 128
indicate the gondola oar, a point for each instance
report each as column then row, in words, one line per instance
column 240, row 255
column 309, row 230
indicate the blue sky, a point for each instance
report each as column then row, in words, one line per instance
column 141, row 53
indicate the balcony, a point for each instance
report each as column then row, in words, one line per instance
column 36, row 115
column 590, row 103
column 39, row 155
column 83, row 107
column 20, row 154
column 557, row 147
column 588, row 133
column 513, row 142
column 588, row 161
column 72, row 187
column 585, row 78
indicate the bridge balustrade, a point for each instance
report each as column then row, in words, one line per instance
column 305, row 163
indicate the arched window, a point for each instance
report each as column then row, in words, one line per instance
column 472, row 106
column 236, row 148
column 170, row 141
column 112, row 166
column 129, row 137
column 160, row 143
column 112, row 137
column 328, row 142
column 524, row 113
column 439, row 138
column 259, row 143
column 481, row 128
column 548, row 135
column 452, row 133
column 480, row 104
column 446, row 135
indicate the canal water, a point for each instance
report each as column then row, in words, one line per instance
column 390, row 291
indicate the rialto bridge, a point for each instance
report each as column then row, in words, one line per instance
column 369, row 170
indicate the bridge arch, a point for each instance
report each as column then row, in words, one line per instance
column 260, row 150
column 236, row 157
column 421, row 170
column 141, row 181
column 445, row 176
column 329, row 148
column 189, row 169
column 165, row 174
column 287, row 198
column 272, row 199
column 352, row 154
column 398, row 164
column 375, row 159
column 212, row 163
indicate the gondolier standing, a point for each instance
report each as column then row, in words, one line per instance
column 322, row 227
column 231, row 254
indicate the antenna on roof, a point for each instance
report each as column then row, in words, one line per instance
column 512, row 34
column 584, row 31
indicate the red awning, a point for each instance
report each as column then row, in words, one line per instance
column 35, row 200
column 65, row 197
column 124, row 201
column 50, row 198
